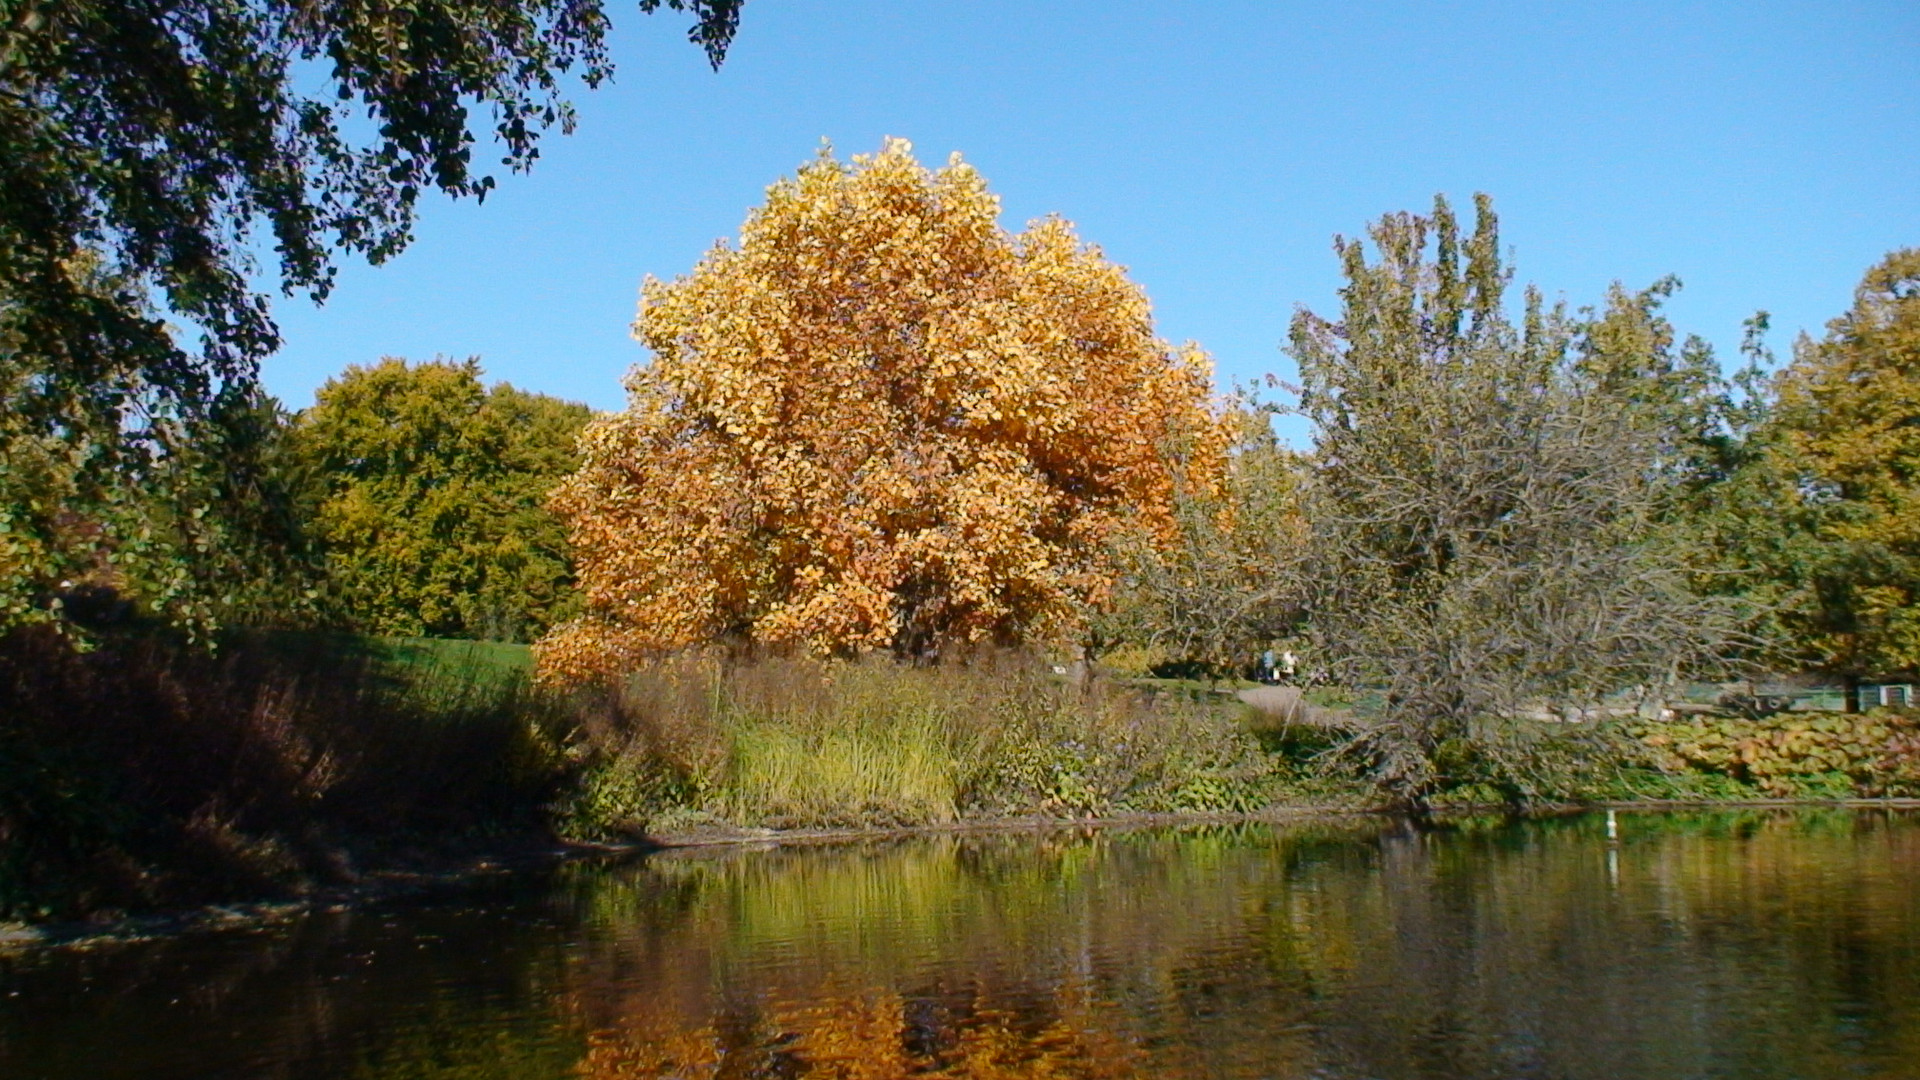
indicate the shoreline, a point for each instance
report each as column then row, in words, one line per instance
column 383, row 885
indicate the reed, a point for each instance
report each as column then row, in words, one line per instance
column 809, row 743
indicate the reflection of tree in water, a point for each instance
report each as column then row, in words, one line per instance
column 1762, row 944
column 877, row 1035
column 1086, row 954
column 1757, row 944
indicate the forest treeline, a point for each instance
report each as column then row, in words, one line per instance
column 978, row 439
column 407, row 501
column 882, row 428
column 968, row 480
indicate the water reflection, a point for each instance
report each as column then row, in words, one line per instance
column 1747, row 944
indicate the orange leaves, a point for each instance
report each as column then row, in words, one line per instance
column 869, row 1037
column 879, row 422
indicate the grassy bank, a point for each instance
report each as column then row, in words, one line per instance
column 1808, row 756
column 145, row 773
column 801, row 743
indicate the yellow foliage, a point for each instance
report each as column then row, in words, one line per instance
column 879, row 422
column 1850, row 407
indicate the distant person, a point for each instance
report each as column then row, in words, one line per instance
column 1266, row 666
column 1287, row 664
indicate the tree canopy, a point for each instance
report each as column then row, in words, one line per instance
column 1485, row 504
column 147, row 153
column 150, row 139
column 425, row 491
column 1849, row 425
column 880, row 422
column 1228, row 584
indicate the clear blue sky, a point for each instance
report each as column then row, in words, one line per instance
column 1765, row 152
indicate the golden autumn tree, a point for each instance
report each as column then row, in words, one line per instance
column 879, row 422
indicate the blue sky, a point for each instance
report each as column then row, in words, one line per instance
column 1764, row 152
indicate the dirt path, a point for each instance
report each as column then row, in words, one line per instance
column 1280, row 702
column 1285, row 705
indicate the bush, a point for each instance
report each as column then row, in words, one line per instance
column 1797, row 755
column 1134, row 661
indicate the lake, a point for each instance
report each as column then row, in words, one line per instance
column 1747, row 943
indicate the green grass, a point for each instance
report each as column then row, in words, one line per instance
column 1191, row 687
column 901, row 768
column 404, row 657
column 486, row 659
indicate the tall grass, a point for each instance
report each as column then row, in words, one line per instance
column 146, row 772
column 798, row 743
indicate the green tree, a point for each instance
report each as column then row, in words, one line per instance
column 206, row 533
column 1628, row 348
column 137, row 510
column 155, row 137
column 1485, row 547
column 1848, row 428
column 1724, row 498
column 426, row 491
column 142, row 148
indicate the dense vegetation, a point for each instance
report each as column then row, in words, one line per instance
column 1488, row 543
column 426, row 491
column 149, row 771
column 804, row 742
column 143, row 149
column 899, row 510
column 1848, row 441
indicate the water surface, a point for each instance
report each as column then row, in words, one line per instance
column 1756, row 943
